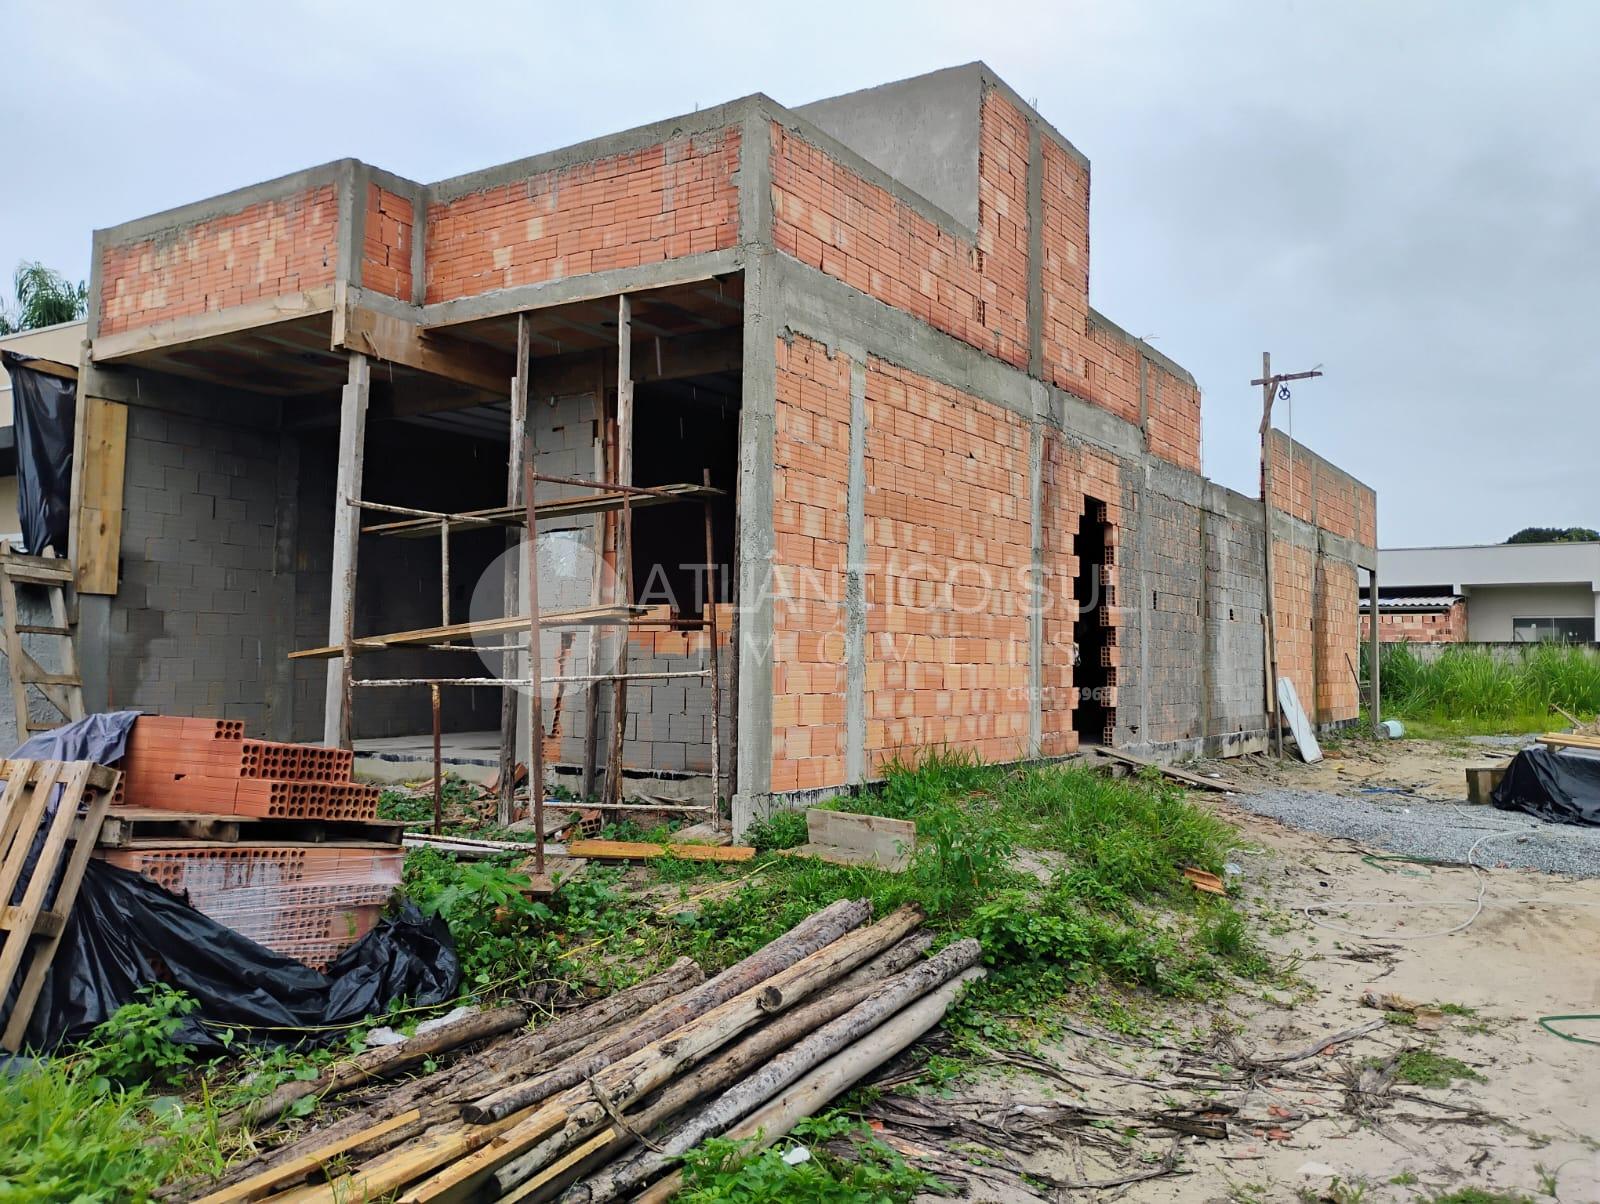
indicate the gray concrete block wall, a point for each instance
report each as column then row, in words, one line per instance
column 1235, row 594
column 193, row 629
column 1170, row 597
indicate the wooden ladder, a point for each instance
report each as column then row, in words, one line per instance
column 62, row 688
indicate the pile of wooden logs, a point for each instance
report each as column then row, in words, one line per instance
column 599, row 1104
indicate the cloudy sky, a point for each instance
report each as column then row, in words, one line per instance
column 1406, row 194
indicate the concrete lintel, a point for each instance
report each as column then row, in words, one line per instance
column 142, row 228
column 1231, row 504
column 593, row 286
column 1159, row 358
column 606, row 146
column 213, row 324
column 1341, row 548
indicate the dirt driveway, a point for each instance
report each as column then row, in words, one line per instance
column 1237, row 1101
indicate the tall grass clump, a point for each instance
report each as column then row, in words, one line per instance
column 1473, row 689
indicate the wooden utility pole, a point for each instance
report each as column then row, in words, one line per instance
column 1270, row 385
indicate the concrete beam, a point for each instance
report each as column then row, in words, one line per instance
column 385, row 336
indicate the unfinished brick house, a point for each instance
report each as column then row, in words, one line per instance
column 953, row 504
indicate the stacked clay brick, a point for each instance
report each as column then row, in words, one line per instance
column 308, row 901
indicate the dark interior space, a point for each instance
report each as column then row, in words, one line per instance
column 682, row 429
column 429, row 466
column 1090, row 676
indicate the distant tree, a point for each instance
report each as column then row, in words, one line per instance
column 1555, row 535
column 42, row 297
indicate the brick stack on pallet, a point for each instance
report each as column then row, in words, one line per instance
column 274, row 840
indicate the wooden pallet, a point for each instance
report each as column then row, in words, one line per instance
column 128, row 827
column 62, row 688
column 24, row 807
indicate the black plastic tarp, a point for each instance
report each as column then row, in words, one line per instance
column 45, row 411
column 1563, row 787
column 125, row 932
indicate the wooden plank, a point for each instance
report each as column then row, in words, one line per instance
column 172, row 331
column 259, row 1186
column 643, row 850
column 1569, row 740
column 125, row 825
column 51, row 368
column 1482, row 781
column 1305, row 736
column 18, row 937
column 1170, row 771
column 440, row 635
column 875, row 839
column 99, row 535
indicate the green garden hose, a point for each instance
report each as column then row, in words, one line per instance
column 1545, row 1022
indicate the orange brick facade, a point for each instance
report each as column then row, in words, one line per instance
column 811, row 467
column 664, row 201
column 386, row 247
column 1448, row 626
column 948, row 556
column 267, row 249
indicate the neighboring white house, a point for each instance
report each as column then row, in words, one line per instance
column 61, row 343
column 1522, row 592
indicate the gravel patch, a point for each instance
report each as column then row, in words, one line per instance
column 1419, row 827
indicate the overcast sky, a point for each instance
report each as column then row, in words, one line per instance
column 1406, row 194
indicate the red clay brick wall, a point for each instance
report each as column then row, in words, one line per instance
column 1069, row 474
column 1294, row 567
column 1412, row 627
column 1338, row 641
column 1065, row 270
column 267, row 249
column 676, row 198
column 1173, row 418
column 1308, row 487
column 948, row 549
column 386, row 253
column 811, row 468
column 829, row 217
column 1003, row 227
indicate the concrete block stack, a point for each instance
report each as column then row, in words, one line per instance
column 296, row 877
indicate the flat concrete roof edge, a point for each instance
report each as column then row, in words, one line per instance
column 141, row 228
column 701, row 121
column 1161, row 358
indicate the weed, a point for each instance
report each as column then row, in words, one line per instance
column 484, row 905
column 1424, row 1068
column 781, row 830
column 67, row 1133
column 1548, row 1180
column 1467, row 690
column 1404, row 1179
column 134, row 1044
column 804, row 1170
column 1478, row 1195
column 1341, row 1192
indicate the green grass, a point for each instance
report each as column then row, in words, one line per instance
column 1467, row 690
column 1424, row 1068
column 69, row 1133
column 1477, row 1195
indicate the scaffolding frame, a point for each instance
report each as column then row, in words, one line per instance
column 614, row 503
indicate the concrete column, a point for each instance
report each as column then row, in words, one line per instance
column 346, row 540
column 855, row 580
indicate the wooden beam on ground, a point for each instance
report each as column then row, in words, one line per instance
column 392, row 338
column 643, row 850
column 1170, row 771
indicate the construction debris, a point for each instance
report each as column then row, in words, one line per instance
column 845, row 838
column 598, row 1103
column 644, row 850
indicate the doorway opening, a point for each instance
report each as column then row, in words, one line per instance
column 1092, row 672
